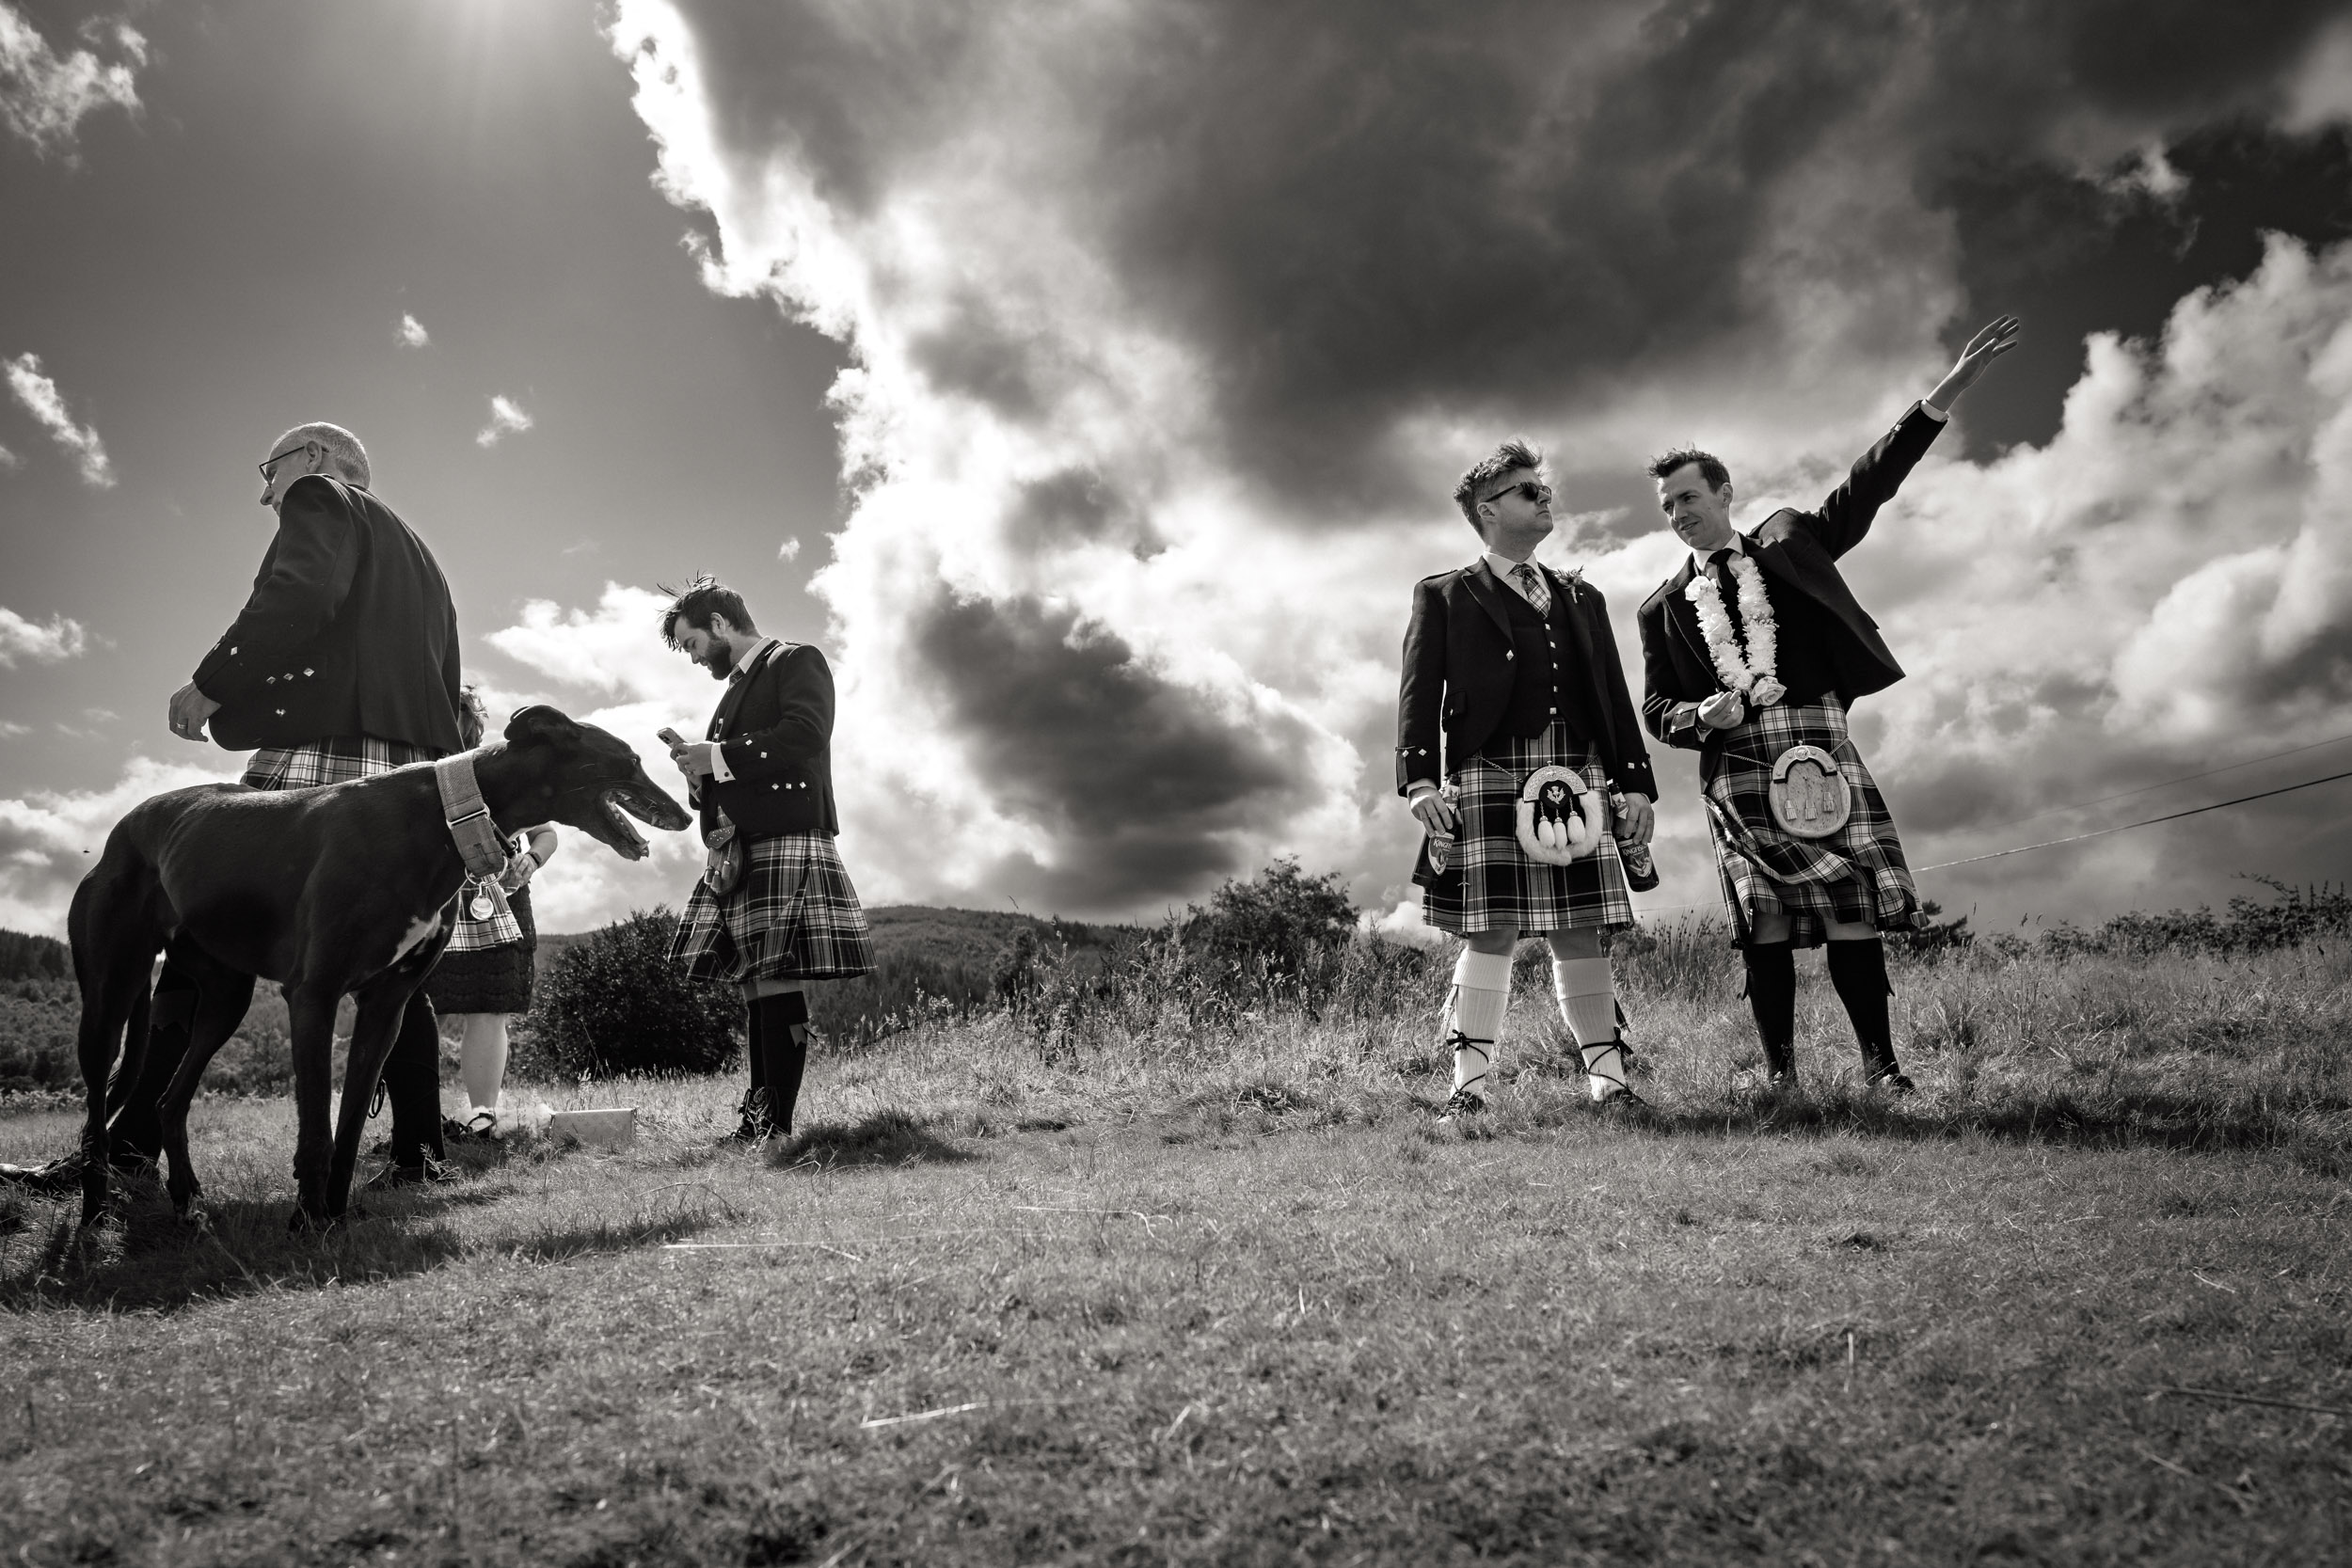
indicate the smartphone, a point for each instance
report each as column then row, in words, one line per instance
column 670, row 739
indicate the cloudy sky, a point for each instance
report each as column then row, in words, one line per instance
column 1088, row 379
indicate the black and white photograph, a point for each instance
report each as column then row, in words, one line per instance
column 1175, row 781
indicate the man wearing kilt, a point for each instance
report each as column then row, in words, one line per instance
column 764, row 773
column 1751, row 654
column 1511, row 667
column 343, row 664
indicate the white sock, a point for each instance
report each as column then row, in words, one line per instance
column 1482, row 994
column 1588, row 1003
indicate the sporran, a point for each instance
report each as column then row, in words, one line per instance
column 1810, row 795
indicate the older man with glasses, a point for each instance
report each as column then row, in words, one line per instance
column 1521, row 753
column 343, row 664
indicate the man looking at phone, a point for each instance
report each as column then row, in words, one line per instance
column 775, row 909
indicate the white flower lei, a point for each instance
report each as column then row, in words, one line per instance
column 1753, row 675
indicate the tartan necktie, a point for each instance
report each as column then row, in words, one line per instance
column 1532, row 583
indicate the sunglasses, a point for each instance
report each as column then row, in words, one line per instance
column 1538, row 492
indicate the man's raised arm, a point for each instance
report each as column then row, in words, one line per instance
column 1846, row 516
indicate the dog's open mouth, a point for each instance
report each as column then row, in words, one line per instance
column 633, row 843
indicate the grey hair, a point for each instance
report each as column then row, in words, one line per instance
column 345, row 453
column 1512, row 454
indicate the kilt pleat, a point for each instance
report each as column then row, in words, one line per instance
column 1856, row 875
column 793, row 916
column 1491, row 883
column 337, row 759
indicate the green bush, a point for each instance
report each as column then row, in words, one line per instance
column 612, row 1003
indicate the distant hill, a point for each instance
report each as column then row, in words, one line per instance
column 954, row 955
column 974, row 938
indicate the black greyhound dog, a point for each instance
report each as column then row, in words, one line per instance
column 347, row 888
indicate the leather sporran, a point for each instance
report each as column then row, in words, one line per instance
column 723, row 859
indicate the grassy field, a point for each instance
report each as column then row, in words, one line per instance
column 1117, row 1286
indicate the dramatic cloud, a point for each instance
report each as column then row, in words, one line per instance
column 42, row 644
column 39, row 397
column 44, row 95
column 1171, row 326
column 506, row 418
column 48, row 841
column 412, row 334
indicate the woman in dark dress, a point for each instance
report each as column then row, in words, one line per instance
column 484, row 978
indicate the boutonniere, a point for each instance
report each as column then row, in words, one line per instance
column 1751, row 670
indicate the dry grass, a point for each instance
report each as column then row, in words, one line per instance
column 1225, row 1295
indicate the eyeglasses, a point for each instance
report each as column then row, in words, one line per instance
column 1538, row 493
column 268, row 478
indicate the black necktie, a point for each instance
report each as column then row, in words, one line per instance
column 1719, row 571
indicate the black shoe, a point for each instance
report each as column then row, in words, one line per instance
column 425, row 1173
column 758, row 1124
column 1463, row 1103
column 1890, row 1078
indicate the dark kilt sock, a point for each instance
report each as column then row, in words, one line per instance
column 137, row 1128
column 781, row 1025
column 1772, row 998
column 412, row 1084
column 1858, row 970
column 753, row 1036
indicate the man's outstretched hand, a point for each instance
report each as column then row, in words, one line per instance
column 190, row 708
column 1985, row 347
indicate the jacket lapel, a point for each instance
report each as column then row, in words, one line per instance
column 1483, row 587
column 734, row 698
column 1680, row 616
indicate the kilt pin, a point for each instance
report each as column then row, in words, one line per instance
column 1510, row 668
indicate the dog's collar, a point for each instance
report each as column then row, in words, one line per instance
column 480, row 844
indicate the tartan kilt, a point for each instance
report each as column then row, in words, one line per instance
column 1489, row 882
column 1857, row 874
column 337, row 759
column 489, row 978
column 793, row 916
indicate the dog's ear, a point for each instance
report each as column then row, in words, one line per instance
column 539, row 722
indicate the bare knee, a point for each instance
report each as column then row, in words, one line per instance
column 1501, row 939
column 1771, row 928
column 1852, row 930
column 1569, row 945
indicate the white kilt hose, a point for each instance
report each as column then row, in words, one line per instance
column 1491, row 883
column 1855, row 875
column 793, row 916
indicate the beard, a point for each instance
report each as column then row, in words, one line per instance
column 718, row 658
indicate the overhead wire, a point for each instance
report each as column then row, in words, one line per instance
column 2163, row 784
column 2149, row 822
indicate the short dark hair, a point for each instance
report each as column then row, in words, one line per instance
column 697, row 602
column 1509, row 457
column 1710, row 466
